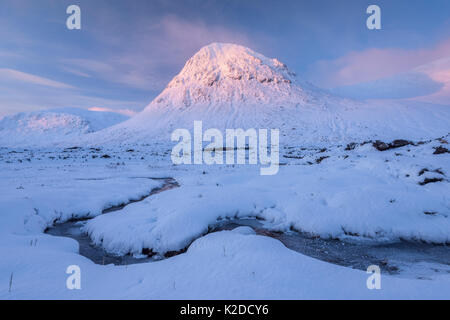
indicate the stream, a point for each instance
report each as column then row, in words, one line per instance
column 410, row 259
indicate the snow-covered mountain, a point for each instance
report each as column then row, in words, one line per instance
column 49, row 126
column 231, row 86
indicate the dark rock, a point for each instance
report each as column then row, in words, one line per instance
column 351, row 146
column 148, row 252
column 399, row 143
column 441, row 150
column 319, row 160
column 380, row 145
column 430, row 180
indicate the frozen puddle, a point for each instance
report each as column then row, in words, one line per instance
column 409, row 259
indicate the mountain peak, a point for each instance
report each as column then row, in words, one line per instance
column 226, row 62
column 227, row 73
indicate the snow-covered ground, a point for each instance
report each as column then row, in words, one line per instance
column 360, row 194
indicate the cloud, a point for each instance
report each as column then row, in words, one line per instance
column 153, row 53
column 11, row 74
column 372, row 64
column 16, row 99
column 399, row 86
column 126, row 112
column 438, row 71
column 429, row 83
column 421, row 74
column 76, row 72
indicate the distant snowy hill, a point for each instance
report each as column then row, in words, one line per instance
column 51, row 126
column 230, row 86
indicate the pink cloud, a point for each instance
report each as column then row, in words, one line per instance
column 11, row 74
column 439, row 71
column 126, row 112
column 154, row 52
column 373, row 64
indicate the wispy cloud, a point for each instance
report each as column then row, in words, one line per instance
column 439, row 71
column 372, row 64
column 420, row 74
column 11, row 74
column 76, row 72
column 126, row 112
column 153, row 53
column 16, row 99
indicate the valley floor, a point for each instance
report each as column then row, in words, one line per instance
column 354, row 196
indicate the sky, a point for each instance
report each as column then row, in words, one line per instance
column 127, row 51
